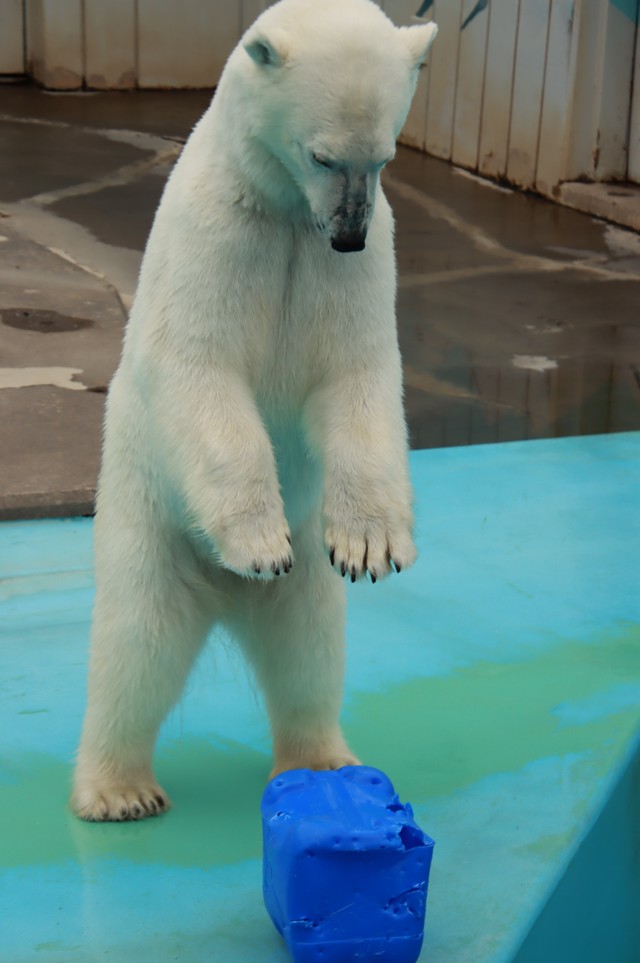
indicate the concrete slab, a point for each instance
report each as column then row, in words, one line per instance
column 42, row 158
column 60, row 334
column 515, row 221
column 166, row 113
column 121, row 215
column 497, row 683
column 615, row 202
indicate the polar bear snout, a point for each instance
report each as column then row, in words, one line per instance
column 351, row 217
column 346, row 243
column 342, row 202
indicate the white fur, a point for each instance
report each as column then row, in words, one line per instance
column 259, row 399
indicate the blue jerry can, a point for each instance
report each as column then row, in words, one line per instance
column 346, row 867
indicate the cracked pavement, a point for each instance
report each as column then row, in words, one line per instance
column 517, row 318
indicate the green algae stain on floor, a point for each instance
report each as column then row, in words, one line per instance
column 215, row 789
column 437, row 735
column 433, row 736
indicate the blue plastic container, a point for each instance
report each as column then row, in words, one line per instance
column 346, row 867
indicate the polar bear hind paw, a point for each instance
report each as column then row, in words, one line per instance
column 318, row 763
column 120, row 803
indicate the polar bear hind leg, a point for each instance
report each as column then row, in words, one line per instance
column 292, row 632
column 150, row 623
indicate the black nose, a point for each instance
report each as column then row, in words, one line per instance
column 347, row 243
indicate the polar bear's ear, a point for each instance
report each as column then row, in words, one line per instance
column 268, row 51
column 417, row 40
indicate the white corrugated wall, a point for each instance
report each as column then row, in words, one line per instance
column 533, row 91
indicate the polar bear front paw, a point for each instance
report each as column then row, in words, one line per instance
column 372, row 545
column 255, row 547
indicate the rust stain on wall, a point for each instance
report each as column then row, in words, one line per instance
column 61, row 78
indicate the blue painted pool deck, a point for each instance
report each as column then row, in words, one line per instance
column 497, row 683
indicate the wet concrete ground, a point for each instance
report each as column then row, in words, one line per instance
column 518, row 319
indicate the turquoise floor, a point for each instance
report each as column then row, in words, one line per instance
column 497, row 683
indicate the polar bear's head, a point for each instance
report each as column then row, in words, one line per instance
column 326, row 86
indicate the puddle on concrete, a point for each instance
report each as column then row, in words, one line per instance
column 519, row 356
column 120, row 216
column 45, row 322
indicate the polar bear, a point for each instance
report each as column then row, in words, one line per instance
column 255, row 446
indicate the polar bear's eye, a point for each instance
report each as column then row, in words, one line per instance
column 322, row 161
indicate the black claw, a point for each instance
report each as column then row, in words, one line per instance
column 398, row 567
column 353, row 573
column 160, row 802
column 276, row 570
column 343, row 569
column 373, row 577
column 288, row 538
column 332, row 555
column 256, row 568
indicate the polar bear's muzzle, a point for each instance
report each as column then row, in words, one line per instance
column 346, row 243
column 349, row 222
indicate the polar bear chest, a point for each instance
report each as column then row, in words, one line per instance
column 281, row 301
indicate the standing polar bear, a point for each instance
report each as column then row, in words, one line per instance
column 255, row 445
